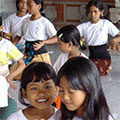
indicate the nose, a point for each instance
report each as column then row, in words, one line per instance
column 66, row 96
column 24, row 4
column 92, row 14
column 41, row 93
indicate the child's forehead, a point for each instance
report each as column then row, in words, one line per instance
column 42, row 81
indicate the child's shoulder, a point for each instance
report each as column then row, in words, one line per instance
column 57, row 115
column 83, row 55
column 6, row 42
column 45, row 20
column 53, row 117
column 17, row 116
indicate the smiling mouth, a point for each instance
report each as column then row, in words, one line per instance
column 67, row 104
column 42, row 100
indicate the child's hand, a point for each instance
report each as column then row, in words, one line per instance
column 10, row 81
column 37, row 46
column 114, row 45
column 1, row 28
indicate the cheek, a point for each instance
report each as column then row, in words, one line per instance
column 61, row 95
column 79, row 99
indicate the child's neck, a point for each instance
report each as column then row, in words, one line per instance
column 74, row 52
column 79, row 112
column 36, row 114
column 35, row 17
column 20, row 14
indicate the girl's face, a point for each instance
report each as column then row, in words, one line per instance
column 22, row 5
column 33, row 8
column 94, row 14
column 73, row 99
column 64, row 47
column 41, row 94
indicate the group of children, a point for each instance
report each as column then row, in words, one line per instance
column 77, row 81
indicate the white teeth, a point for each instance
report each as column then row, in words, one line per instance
column 42, row 100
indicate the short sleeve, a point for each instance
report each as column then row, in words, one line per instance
column 6, row 24
column 50, row 29
column 14, row 53
column 112, row 29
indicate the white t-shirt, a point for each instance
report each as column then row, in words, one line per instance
column 20, row 116
column 58, row 116
column 13, row 24
column 63, row 57
column 3, row 92
column 8, row 52
column 97, row 34
column 40, row 29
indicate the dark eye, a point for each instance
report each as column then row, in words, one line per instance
column 34, row 88
column 71, row 91
column 48, row 87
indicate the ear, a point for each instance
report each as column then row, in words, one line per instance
column 24, row 93
column 70, row 44
column 39, row 6
column 102, row 12
column 56, row 91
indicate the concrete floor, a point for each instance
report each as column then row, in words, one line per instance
column 110, row 84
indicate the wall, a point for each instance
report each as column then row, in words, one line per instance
column 72, row 12
column 60, row 12
column 7, row 6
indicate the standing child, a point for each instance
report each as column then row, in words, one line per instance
column 37, row 31
column 13, row 22
column 38, row 86
column 95, row 32
column 81, row 92
column 69, row 44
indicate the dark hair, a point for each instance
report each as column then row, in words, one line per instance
column 39, row 70
column 17, row 6
column 82, row 74
column 42, row 6
column 97, row 3
column 69, row 34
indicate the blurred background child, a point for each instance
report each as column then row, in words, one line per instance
column 69, row 43
column 95, row 32
column 13, row 23
column 37, row 30
column 9, row 52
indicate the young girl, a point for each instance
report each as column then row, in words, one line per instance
column 69, row 44
column 95, row 32
column 81, row 92
column 13, row 22
column 37, row 86
column 9, row 52
column 37, row 31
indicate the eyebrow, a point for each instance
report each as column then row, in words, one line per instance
column 47, row 82
column 33, row 85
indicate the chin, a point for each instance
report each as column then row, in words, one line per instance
column 71, row 108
